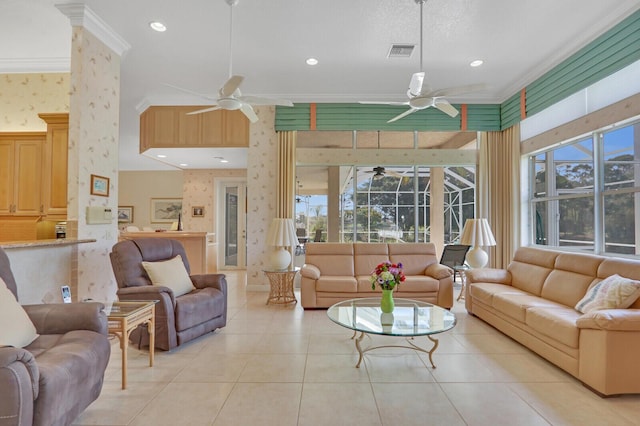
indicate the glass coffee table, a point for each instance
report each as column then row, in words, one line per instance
column 410, row 319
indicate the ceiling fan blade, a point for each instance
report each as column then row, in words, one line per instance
column 256, row 100
column 444, row 106
column 395, row 174
column 404, row 114
column 249, row 112
column 383, row 103
column 191, row 92
column 200, row 111
column 231, row 86
column 415, row 85
column 459, row 90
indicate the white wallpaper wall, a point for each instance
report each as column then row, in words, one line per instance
column 23, row 96
column 93, row 149
column 261, row 199
column 199, row 190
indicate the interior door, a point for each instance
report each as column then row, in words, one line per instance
column 232, row 224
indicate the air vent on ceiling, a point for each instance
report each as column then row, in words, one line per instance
column 401, row 50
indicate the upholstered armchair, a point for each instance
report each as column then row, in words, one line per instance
column 149, row 269
column 54, row 378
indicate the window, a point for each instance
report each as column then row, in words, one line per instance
column 586, row 193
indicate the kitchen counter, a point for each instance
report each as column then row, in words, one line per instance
column 59, row 242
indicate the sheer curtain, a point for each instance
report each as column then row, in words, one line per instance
column 498, row 191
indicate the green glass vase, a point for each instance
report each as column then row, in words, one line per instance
column 386, row 303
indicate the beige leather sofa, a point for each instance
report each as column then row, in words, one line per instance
column 338, row 271
column 533, row 302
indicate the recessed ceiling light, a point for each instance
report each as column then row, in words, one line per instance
column 161, row 156
column 312, row 61
column 183, row 164
column 158, row 26
column 476, row 63
column 224, row 161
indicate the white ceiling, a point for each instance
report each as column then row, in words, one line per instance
column 518, row 41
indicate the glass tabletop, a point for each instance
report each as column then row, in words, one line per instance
column 409, row 318
column 123, row 309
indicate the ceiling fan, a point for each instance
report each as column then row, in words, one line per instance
column 421, row 96
column 229, row 96
column 380, row 172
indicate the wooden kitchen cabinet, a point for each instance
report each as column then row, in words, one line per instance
column 21, row 157
column 55, row 166
column 171, row 127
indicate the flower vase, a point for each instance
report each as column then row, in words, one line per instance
column 386, row 303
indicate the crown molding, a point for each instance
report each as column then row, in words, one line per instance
column 81, row 15
column 34, row 65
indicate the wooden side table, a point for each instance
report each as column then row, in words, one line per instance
column 281, row 283
column 123, row 318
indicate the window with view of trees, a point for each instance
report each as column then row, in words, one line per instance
column 586, row 194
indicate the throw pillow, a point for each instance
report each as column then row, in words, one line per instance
column 171, row 274
column 614, row 292
column 17, row 328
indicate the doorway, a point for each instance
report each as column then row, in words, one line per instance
column 231, row 226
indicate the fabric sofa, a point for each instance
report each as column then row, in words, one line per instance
column 338, row 271
column 53, row 379
column 179, row 318
column 533, row 301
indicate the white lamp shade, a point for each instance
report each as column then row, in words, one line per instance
column 477, row 233
column 281, row 234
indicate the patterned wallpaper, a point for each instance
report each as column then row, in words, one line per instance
column 199, row 190
column 23, row 96
column 93, row 149
column 261, row 189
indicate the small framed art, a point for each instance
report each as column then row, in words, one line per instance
column 165, row 210
column 99, row 185
column 125, row 214
column 197, row 211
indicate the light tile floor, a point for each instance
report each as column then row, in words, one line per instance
column 275, row 365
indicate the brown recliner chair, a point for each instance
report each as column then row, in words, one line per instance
column 178, row 319
column 51, row 381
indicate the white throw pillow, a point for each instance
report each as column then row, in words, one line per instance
column 171, row 274
column 17, row 328
column 614, row 292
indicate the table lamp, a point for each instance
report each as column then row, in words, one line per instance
column 477, row 233
column 281, row 235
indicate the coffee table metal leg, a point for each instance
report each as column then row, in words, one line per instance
column 430, row 351
column 360, row 351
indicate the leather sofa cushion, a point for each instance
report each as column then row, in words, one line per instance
column 516, row 305
column 419, row 284
column 199, row 306
column 364, row 285
column 566, row 287
column 368, row 256
column 556, row 323
column 530, row 267
column 484, row 292
column 336, row 284
column 333, row 259
column 415, row 257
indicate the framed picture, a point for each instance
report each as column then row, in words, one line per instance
column 125, row 214
column 197, row 211
column 99, row 185
column 165, row 210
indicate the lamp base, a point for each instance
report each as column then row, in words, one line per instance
column 477, row 258
column 280, row 259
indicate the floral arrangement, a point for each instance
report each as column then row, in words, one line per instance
column 387, row 275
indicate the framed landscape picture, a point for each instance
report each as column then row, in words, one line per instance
column 165, row 210
column 99, row 185
column 125, row 214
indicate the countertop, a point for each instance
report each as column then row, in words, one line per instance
column 59, row 242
